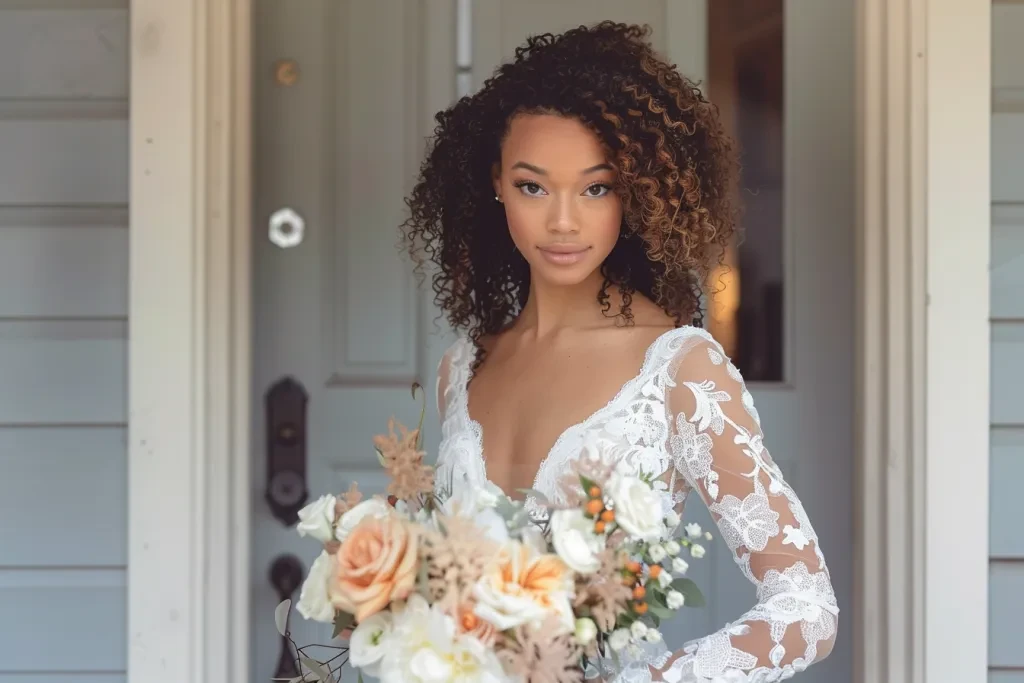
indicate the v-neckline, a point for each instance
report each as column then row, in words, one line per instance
column 478, row 430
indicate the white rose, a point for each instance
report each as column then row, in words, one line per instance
column 374, row 507
column 586, row 630
column 638, row 630
column 672, row 548
column 657, row 552
column 675, row 599
column 369, row 642
column 637, row 507
column 672, row 520
column 679, row 565
column 619, row 639
column 314, row 603
column 693, row 530
column 317, row 519
column 575, row 542
column 664, row 580
column 653, row 636
column 697, row 550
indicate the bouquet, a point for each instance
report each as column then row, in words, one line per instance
column 428, row 584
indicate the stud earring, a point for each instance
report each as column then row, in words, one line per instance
column 497, row 198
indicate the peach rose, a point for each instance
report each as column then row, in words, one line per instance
column 377, row 563
column 525, row 587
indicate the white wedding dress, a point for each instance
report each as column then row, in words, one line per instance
column 688, row 416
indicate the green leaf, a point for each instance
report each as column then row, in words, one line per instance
column 321, row 673
column 360, row 676
column 690, row 591
column 660, row 612
column 281, row 616
column 587, row 484
column 342, row 620
column 537, row 495
column 380, row 457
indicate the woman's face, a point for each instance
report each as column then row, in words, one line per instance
column 556, row 184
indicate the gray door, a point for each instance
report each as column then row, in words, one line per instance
column 340, row 313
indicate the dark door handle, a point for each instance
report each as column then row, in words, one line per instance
column 286, row 491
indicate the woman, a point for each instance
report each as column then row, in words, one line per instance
column 573, row 209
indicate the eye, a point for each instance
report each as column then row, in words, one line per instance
column 597, row 190
column 530, row 189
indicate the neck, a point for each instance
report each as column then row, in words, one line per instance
column 552, row 308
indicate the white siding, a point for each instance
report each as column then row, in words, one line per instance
column 63, row 339
column 1006, row 540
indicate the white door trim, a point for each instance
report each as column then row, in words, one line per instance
column 921, row 595
column 188, row 455
column 923, row 175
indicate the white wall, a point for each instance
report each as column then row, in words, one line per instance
column 63, row 319
column 1006, row 541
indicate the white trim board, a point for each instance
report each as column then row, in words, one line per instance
column 189, row 342
column 923, row 174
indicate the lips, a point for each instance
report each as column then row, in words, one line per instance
column 564, row 254
column 564, row 249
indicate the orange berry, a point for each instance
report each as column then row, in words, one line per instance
column 640, row 607
column 655, row 571
column 633, row 566
column 608, row 516
column 469, row 621
column 639, row 592
column 595, row 492
column 599, row 527
column 594, row 507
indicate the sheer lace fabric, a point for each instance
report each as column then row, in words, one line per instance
column 688, row 418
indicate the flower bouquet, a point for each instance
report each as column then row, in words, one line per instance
column 468, row 584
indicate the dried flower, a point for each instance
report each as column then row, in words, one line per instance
column 403, row 460
column 455, row 559
column 536, row 657
column 603, row 592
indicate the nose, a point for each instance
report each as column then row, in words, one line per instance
column 563, row 216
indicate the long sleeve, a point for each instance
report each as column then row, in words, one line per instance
column 716, row 448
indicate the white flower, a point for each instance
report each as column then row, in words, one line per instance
column 637, row 507
column 314, row 602
column 672, row 548
column 653, row 636
column 693, row 530
column 618, row 639
column 477, row 503
column 369, row 641
column 672, row 519
column 586, row 630
column 664, row 580
column 317, row 519
column 708, row 536
column 574, row 539
column 638, row 630
column 657, row 552
column 697, row 550
column 424, row 648
column 374, row 507
column 679, row 565
column 675, row 599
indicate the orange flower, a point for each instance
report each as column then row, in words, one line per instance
column 525, row 587
column 376, row 564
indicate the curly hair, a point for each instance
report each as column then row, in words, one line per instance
column 675, row 168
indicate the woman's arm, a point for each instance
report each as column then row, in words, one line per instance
column 716, row 447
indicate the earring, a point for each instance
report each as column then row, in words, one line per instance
column 497, row 198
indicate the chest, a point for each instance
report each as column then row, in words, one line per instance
column 525, row 406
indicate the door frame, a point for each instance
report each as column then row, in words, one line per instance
column 923, row 174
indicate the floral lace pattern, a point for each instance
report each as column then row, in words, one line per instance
column 688, row 418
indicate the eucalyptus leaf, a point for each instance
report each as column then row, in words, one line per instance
column 690, row 591
column 380, row 457
column 321, row 673
column 660, row 612
column 537, row 495
column 360, row 676
column 342, row 620
column 281, row 616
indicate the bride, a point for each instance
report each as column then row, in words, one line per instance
column 572, row 210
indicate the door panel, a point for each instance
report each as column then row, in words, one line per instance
column 340, row 311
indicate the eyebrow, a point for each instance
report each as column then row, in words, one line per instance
column 540, row 171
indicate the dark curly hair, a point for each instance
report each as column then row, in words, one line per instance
column 675, row 169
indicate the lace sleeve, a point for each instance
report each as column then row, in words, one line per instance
column 715, row 444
